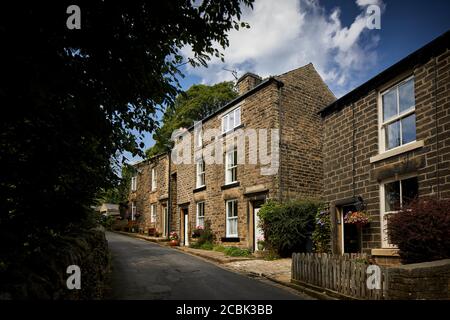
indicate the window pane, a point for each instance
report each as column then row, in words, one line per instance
column 238, row 116
column 409, row 129
column 406, row 95
column 230, row 159
column 235, row 210
column 225, row 123
column 389, row 104
column 229, row 209
column 233, row 174
column 231, row 117
column 233, row 226
column 393, row 135
column 410, row 190
column 392, row 196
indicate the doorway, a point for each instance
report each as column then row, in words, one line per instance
column 185, row 224
column 164, row 221
column 350, row 233
column 258, row 233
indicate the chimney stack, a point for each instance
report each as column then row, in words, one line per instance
column 247, row 81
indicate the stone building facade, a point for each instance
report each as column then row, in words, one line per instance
column 280, row 113
column 149, row 195
column 385, row 143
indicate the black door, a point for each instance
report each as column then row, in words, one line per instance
column 352, row 233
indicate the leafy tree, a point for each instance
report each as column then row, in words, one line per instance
column 119, row 193
column 194, row 104
column 74, row 96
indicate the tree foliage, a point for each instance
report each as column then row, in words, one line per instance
column 193, row 105
column 322, row 231
column 288, row 226
column 74, row 96
column 421, row 230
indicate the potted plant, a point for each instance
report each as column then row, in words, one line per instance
column 174, row 240
column 358, row 218
column 261, row 243
column 197, row 232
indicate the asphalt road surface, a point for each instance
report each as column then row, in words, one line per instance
column 145, row 270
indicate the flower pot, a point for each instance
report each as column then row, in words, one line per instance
column 173, row 243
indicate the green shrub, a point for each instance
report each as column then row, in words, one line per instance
column 236, row 252
column 288, row 227
column 107, row 221
column 421, row 230
column 322, row 232
column 270, row 255
column 206, row 235
column 207, row 246
column 203, row 246
column 219, row 248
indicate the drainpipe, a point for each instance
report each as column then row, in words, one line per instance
column 280, row 121
column 169, row 200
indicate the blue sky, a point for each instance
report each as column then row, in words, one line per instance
column 287, row 34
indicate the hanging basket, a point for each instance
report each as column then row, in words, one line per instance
column 358, row 218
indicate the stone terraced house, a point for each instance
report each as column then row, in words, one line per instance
column 373, row 149
column 283, row 112
column 385, row 143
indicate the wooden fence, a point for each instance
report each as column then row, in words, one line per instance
column 344, row 275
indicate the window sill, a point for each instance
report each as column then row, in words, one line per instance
column 230, row 185
column 230, row 239
column 385, row 252
column 397, row 151
column 199, row 189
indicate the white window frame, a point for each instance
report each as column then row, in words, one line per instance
column 198, row 136
column 133, row 183
column 200, row 172
column 383, row 213
column 227, row 123
column 133, row 210
column 229, row 167
column 383, row 124
column 153, row 178
column 233, row 218
column 153, row 210
column 200, row 209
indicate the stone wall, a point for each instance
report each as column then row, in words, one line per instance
column 144, row 196
column 428, row 280
column 43, row 276
column 301, row 170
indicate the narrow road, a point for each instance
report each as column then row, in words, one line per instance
column 145, row 270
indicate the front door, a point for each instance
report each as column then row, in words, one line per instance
column 186, row 227
column 164, row 222
column 259, row 233
column 351, row 233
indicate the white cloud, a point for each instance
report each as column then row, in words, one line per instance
column 288, row 34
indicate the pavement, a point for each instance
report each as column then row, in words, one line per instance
column 146, row 270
